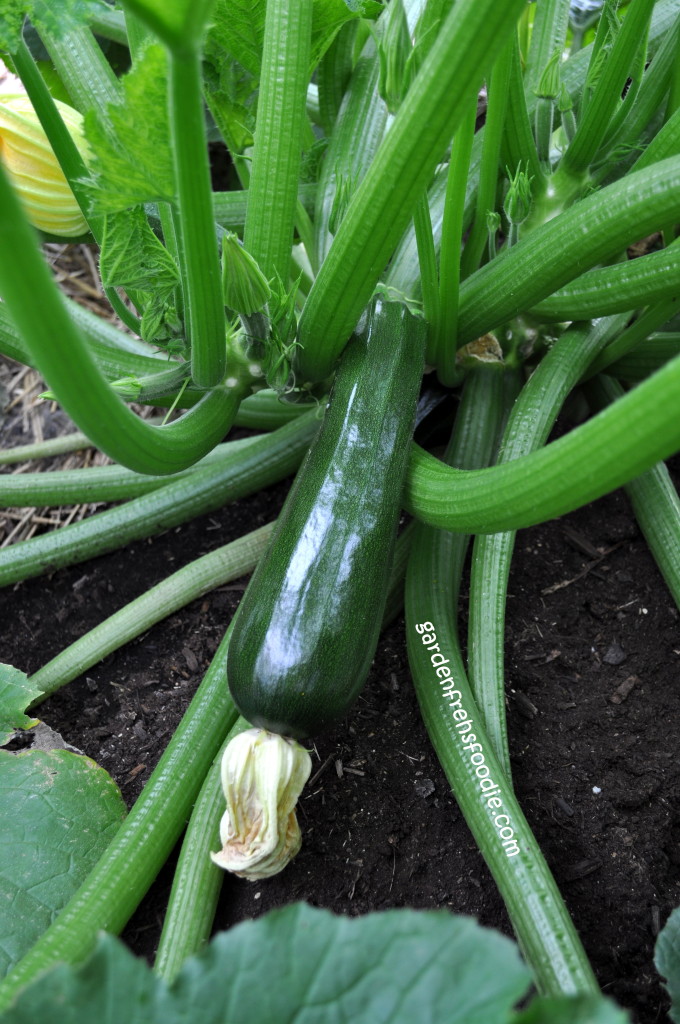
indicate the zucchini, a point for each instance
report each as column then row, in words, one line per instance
column 306, row 630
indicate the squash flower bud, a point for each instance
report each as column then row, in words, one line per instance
column 263, row 775
column 245, row 288
column 33, row 169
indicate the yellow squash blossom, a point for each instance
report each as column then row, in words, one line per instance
column 33, row 169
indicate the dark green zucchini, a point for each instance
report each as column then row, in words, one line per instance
column 306, row 630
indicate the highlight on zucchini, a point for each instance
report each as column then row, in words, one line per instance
column 307, row 628
column 33, row 168
column 263, row 775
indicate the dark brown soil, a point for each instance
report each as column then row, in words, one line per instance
column 594, row 713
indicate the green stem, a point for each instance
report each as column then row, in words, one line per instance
column 594, row 121
column 519, row 145
column 654, row 499
column 650, row 320
column 98, row 483
column 646, row 359
column 607, row 451
column 544, row 929
column 229, row 208
column 265, row 461
column 201, row 274
column 357, row 134
column 528, row 427
column 114, row 888
column 549, row 33
column 333, row 75
column 197, row 883
column 446, row 328
column 275, row 168
column 229, row 562
column 647, row 280
column 60, row 353
column 491, row 149
column 471, row 36
column 429, row 278
column 85, row 72
column 44, row 449
column 593, row 230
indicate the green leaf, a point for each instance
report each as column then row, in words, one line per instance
column 16, row 694
column 585, row 1009
column 59, row 811
column 667, row 960
column 131, row 156
column 134, row 259
column 132, row 256
column 329, row 16
column 238, row 30
column 389, row 968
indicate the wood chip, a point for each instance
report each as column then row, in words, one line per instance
column 624, row 688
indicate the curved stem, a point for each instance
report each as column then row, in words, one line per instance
column 201, row 275
column 485, row 796
column 532, row 417
column 199, row 577
column 654, row 499
column 648, row 280
column 114, row 888
column 60, row 353
column 265, row 461
column 595, row 229
column 607, row 451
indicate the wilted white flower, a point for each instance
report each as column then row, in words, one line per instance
column 263, row 775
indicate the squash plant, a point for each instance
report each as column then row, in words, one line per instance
column 376, row 227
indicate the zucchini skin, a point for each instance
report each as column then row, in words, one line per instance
column 306, row 630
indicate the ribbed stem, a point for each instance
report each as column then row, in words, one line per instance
column 472, row 35
column 201, row 274
column 543, row 927
column 272, row 195
column 607, row 451
column 229, row 562
column 268, row 459
column 114, row 888
column 654, row 499
column 197, row 883
column 528, row 427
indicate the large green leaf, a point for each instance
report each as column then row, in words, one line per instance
column 130, row 158
column 667, row 960
column 16, row 694
column 59, row 811
column 299, row 964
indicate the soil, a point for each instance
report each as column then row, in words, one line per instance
column 593, row 658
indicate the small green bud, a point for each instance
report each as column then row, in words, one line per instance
column 548, row 87
column 493, row 221
column 394, row 51
column 564, row 101
column 244, row 286
column 517, row 203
